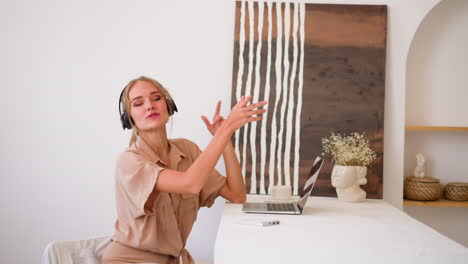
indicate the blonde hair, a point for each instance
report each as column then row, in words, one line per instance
column 126, row 101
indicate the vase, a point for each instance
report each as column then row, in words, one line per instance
column 347, row 181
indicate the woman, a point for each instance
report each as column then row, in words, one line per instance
column 161, row 183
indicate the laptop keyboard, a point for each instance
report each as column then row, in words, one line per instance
column 281, row 207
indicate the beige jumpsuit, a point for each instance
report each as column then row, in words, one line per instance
column 151, row 226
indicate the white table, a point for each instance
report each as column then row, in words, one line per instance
column 331, row 231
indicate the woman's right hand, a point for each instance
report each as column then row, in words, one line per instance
column 242, row 113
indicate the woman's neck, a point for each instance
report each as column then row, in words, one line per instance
column 158, row 142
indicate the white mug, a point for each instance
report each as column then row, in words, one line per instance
column 280, row 192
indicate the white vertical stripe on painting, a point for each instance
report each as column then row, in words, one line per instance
column 289, row 116
column 285, row 92
column 256, row 94
column 240, row 71
column 249, row 82
column 299, row 100
column 279, row 55
column 266, row 97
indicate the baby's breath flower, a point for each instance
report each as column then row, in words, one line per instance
column 349, row 150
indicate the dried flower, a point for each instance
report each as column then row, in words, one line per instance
column 349, row 150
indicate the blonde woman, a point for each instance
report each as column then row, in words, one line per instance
column 161, row 183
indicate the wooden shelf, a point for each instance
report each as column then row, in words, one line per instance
column 439, row 203
column 436, row 128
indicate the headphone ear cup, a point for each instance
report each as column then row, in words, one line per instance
column 124, row 119
column 174, row 107
column 171, row 106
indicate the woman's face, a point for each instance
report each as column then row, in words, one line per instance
column 147, row 106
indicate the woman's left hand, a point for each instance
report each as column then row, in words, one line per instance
column 217, row 120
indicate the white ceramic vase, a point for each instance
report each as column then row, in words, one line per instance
column 346, row 180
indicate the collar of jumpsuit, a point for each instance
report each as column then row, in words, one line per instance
column 175, row 153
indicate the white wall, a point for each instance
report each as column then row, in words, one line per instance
column 63, row 66
column 437, row 90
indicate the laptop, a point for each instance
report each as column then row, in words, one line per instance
column 295, row 208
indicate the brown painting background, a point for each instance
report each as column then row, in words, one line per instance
column 343, row 89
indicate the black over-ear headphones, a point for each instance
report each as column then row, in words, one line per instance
column 125, row 119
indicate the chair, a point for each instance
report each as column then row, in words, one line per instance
column 87, row 251
column 75, row 252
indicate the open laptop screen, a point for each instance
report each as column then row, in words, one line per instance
column 309, row 185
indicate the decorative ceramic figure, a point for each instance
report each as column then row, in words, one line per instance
column 419, row 171
column 346, row 180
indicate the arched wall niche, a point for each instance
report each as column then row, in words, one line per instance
column 436, row 79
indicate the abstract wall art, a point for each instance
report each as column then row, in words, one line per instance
column 321, row 67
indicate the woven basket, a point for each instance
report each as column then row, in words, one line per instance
column 456, row 191
column 422, row 188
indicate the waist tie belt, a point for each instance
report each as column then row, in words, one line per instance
column 184, row 258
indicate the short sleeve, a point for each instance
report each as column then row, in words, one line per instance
column 135, row 184
column 213, row 185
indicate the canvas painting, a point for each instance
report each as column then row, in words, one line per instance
column 321, row 67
